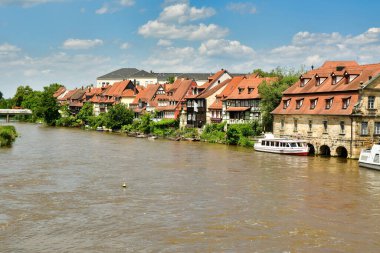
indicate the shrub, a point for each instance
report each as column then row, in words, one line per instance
column 8, row 135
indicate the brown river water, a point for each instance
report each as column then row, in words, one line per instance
column 60, row 191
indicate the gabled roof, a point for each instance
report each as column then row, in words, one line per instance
column 78, row 94
column 123, row 73
column 248, row 87
column 213, row 90
column 117, row 88
column 218, row 104
column 68, row 95
column 147, row 94
column 59, row 92
column 212, row 79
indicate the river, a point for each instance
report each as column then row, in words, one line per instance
column 60, row 191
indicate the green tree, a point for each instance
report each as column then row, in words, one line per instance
column 170, row 79
column 21, row 93
column 1, row 95
column 49, row 108
column 145, row 123
column 86, row 112
column 118, row 116
column 271, row 95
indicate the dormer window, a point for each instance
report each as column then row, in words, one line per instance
column 352, row 77
column 241, row 90
column 333, row 78
column 299, row 103
column 346, row 102
column 329, row 103
column 304, row 81
column 286, row 103
column 313, row 103
column 250, row 90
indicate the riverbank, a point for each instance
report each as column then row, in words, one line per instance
column 8, row 135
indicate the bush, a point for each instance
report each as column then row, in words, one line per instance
column 8, row 135
column 233, row 135
column 70, row 121
column 245, row 142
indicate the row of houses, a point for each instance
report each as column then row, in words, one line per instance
column 223, row 97
column 335, row 107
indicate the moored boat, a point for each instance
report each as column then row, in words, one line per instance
column 282, row 146
column 370, row 158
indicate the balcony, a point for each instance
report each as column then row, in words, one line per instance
column 216, row 120
column 238, row 121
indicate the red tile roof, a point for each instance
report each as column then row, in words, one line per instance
column 320, row 109
column 212, row 91
column 147, row 94
column 351, row 77
column 248, row 88
column 117, row 88
column 59, row 92
column 237, row 109
column 212, row 79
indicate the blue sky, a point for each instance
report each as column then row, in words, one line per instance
column 73, row 41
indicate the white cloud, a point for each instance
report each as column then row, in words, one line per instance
column 157, row 29
column 27, row 3
column 114, row 6
column 8, row 48
column 164, row 43
column 127, row 2
column 242, row 8
column 182, row 13
column 81, row 44
column 125, row 45
column 308, row 49
column 174, row 22
column 226, row 48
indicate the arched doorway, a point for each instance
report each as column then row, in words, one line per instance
column 341, row 152
column 324, row 150
column 311, row 149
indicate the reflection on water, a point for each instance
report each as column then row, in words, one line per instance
column 60, row 191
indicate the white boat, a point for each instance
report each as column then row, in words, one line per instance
column 370, row 158
column 282, row 145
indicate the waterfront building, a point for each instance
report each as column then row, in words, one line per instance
column 145, row 100
column 201, row 97
column 242, row 105
column 108, row 95
column 335, row 108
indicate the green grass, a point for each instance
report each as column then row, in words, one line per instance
column 8, row 135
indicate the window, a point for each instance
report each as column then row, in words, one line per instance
column 299, row 103
column 250, row 90
column 364, row 130
column 333, row 78
column 241, row 90
column 282, row 123
column 345, row 103
column 371, row 102
column 329, row 102
column 286, row 103
column 341, row 127
column 313, row 103
column 310, row 125
column 317, row 80
column 324, row 125
column 377, row 128
column 295, row 124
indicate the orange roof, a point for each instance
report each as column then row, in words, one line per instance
column 327, row 71
column 320, row 108
column 68, row 95
column 248, row 88
column 237, row 109
column 147, row 94
column 128, row 93
column 59, row 92
column 212, row 91
column 212, row 79
column 117, row 88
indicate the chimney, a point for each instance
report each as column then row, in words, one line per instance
column 312, row 67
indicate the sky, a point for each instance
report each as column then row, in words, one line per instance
column 72, row 42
